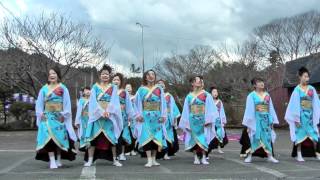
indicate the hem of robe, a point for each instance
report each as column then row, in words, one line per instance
column 215, row 143
column 246, row 146
column 128, row 147
column 173, row 147
column 55, row 141
column 104, row 154
column 160, row 146
column 199, row 144
column 305, row 138
column 307, row 150
column 51, row 136
column 69, row 154
column 97, row 134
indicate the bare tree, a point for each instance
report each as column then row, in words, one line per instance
column 291, row 37
column 178, row 68
column 50, row 39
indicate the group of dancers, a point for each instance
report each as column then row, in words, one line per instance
column 112, row 122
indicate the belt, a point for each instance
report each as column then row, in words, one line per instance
column 151, row 106
column 262, row 108
column 103, row 104
column 53, row 106
column 307, row 104
column 197, row 109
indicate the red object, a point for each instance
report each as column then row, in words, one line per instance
column 58, row 91
column 267, row 98
column 202, row 96
column 102, row 143
column 219, row 105
column 310, row 92
column 168, row 98
column 123, row 94
column 109, row 91
column 157, row 92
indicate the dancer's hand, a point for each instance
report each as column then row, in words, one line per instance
column 61, row 119
column 162, row 120
column 140, row 119
column 208, row 125
column 106, row 115
column 43, row 117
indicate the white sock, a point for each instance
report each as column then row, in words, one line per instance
column 53, row 164
column 58, row 162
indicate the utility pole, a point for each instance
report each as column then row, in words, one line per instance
column 142, row 43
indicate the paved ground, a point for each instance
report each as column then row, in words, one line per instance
column 17, row 162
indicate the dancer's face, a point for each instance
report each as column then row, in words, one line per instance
column 259, row 85
column 162, row 84
column 304, row 79
column 129, row 88
column 215, row 93
column 53, row 76
column 116, row 80
column 151, row 77
column 197, row 82
column 86, row 92
column 105, row 76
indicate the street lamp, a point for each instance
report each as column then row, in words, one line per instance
column 142, row 44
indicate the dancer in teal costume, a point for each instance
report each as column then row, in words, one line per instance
column 56, row 136
column 82, row 117
column 128, row 114
column 151, row 115
column 105, row 120
column 302, row 115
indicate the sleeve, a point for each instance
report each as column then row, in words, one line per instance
column 78, row 114
column 211, row 114
column 163, row 104
column 211, row 111
column 114, row 109
column 138, row 104
column 39, row 106
column 249, row 119
column 293, row 110
column 293, row 113
column 129, row 107
column 67, row 114
column 273, row 113
column 223, row 114
column 316, row 110
column 175, row 109
column 78, row 118
column 95, row 111
column 184, row 121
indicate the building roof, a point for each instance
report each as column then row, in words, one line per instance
column 312, row 63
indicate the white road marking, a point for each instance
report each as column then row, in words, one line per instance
column 14, row 165
column 273, row 172
column 165, row 170
column 17, row 150
column 88, row 173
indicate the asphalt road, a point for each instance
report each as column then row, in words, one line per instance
column 17, row 162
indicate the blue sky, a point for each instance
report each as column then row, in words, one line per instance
column 173, row 25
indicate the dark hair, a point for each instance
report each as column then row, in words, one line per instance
column 57, row 70
column 255, row 80
column 191, row 80
column 212, row 88
column 144, row 77
column 86, row 87
column 106, row 67
column 121, row 77
column 303, row 70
